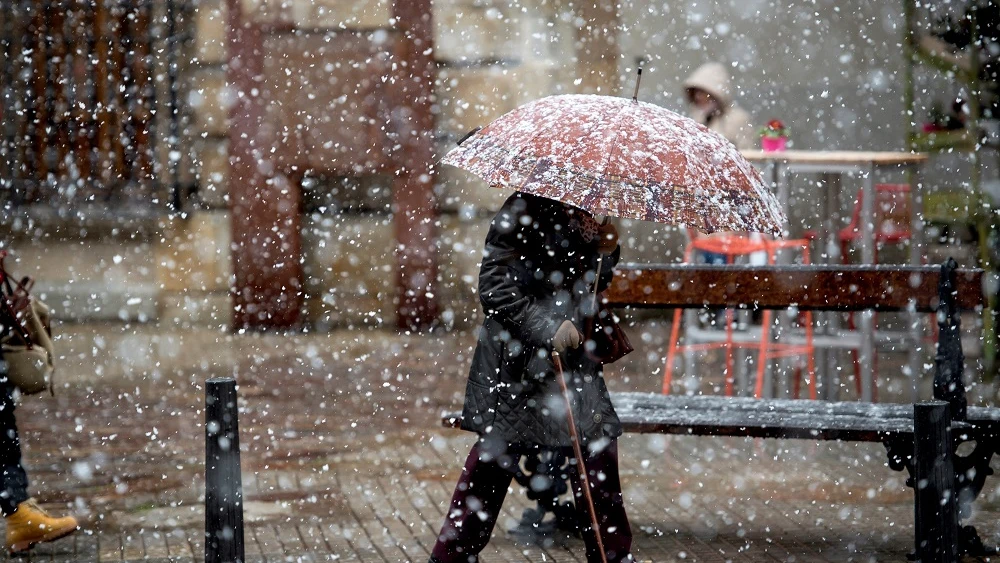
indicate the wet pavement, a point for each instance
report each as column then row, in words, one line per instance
column 344, row 458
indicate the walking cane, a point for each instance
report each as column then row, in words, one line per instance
column 580, row 468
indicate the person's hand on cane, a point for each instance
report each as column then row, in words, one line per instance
column 567, row 336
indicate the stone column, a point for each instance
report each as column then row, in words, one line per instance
column 414, row 203
column 266, row 245
column 597, row 47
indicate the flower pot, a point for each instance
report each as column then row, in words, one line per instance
column 773, row 144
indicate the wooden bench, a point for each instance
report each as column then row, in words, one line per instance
column 923, row 439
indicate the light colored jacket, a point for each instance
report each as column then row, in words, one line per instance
column 733, row 123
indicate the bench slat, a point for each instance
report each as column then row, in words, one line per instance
column 769, row 425
column 648, row 413
column 629, row 402
column 842, row 288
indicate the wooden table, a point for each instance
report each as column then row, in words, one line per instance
column 832, row 165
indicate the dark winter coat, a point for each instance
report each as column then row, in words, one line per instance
column 537, row 271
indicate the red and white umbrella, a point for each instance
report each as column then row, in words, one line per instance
column 620, row 157
column 625, row 158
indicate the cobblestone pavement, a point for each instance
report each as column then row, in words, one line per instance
column 344, row 458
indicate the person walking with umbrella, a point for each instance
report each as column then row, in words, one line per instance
column 541, row 261
column 569, row 158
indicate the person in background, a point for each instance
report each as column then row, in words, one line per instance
column 27, row 523
column 710, row 102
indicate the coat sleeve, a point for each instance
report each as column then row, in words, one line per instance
column 503, row 278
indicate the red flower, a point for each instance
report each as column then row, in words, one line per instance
column 774, row 128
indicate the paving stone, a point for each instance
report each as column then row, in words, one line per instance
column 344, row 460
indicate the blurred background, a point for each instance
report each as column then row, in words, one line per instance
column 270, row 163
column 197, row 184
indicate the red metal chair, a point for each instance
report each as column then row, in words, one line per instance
column 893, row 212
column 732, row 246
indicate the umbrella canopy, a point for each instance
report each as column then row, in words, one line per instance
column 620, row 157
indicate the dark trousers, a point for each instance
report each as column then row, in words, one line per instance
column 14, row 483
column 475, row 505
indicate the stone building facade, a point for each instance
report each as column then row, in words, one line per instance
column 491, row 56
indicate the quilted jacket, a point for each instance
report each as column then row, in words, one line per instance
column 537, row 271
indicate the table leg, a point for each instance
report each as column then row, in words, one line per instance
column 826, row 358
column 917, row 250
column 831, row 220
column 866, row 353
column 779, row 183
column 782, row 188
column 690, row 371
column 866, row 326
column 742, row 371
column 867, row 241
column 830, row 254
column 917, row 246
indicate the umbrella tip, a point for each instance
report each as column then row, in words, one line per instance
column 467, row 135
column 638, row 78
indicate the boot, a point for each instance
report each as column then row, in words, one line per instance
column 30, row 524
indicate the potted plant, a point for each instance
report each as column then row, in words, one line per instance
column 774, row 136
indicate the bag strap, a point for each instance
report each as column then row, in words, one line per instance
column 4, row 274
column 24, row 284
column 7, row 308
column 12, row 322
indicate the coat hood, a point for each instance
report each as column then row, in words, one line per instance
column 714, row 79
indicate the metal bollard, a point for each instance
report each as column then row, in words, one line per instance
column 223, row 483
column 934, row 479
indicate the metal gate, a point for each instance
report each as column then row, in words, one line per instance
column 92, row 114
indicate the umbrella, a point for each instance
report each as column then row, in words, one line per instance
column 625, row 158
column 620, row 157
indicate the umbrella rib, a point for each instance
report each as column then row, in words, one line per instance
column 603, row 171
column 614, row 144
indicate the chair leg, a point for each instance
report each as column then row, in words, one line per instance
column 810, row 348
column 844, row 247
column 810, row 356
column 875, row 376
column 857, row 368
column 875, row 350
column 855, row 363
column 668, row 368
column 729, row 353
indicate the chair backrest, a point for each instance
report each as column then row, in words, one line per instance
column 761, row 248
column 892, row 210
column 729, row 244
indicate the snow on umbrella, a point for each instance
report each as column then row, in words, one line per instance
column 625, row 158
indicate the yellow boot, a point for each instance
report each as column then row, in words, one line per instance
column 30, row 525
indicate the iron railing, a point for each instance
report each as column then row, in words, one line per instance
column 91, row 109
